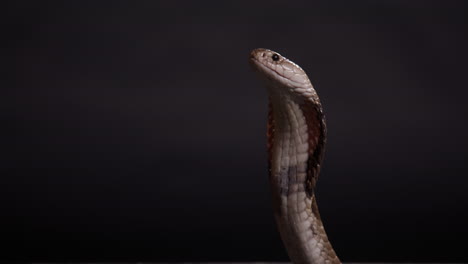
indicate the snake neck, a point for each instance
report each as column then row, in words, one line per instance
column 296, row 139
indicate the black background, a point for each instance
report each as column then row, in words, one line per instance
column 136, row 130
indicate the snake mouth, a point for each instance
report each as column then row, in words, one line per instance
column 258, row 66
column 253, row 61
column 271, row 73
column 252, row 54
column 262, row 69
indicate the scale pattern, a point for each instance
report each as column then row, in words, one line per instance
column 296, row 133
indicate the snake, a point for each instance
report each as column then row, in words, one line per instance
column 296, row 139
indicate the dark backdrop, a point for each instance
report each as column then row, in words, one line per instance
column 136, row 130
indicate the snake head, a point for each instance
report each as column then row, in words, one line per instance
column 277, row 70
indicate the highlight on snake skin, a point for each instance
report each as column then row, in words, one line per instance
column 296, row 139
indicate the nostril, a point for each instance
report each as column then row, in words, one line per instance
column 263, row 54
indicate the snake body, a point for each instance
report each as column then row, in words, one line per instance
column 296, row 140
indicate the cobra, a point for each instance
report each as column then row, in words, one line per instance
column 296, row 133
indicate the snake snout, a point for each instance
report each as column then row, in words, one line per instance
column 258, row 53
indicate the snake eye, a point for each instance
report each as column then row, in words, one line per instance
column 275, row 57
